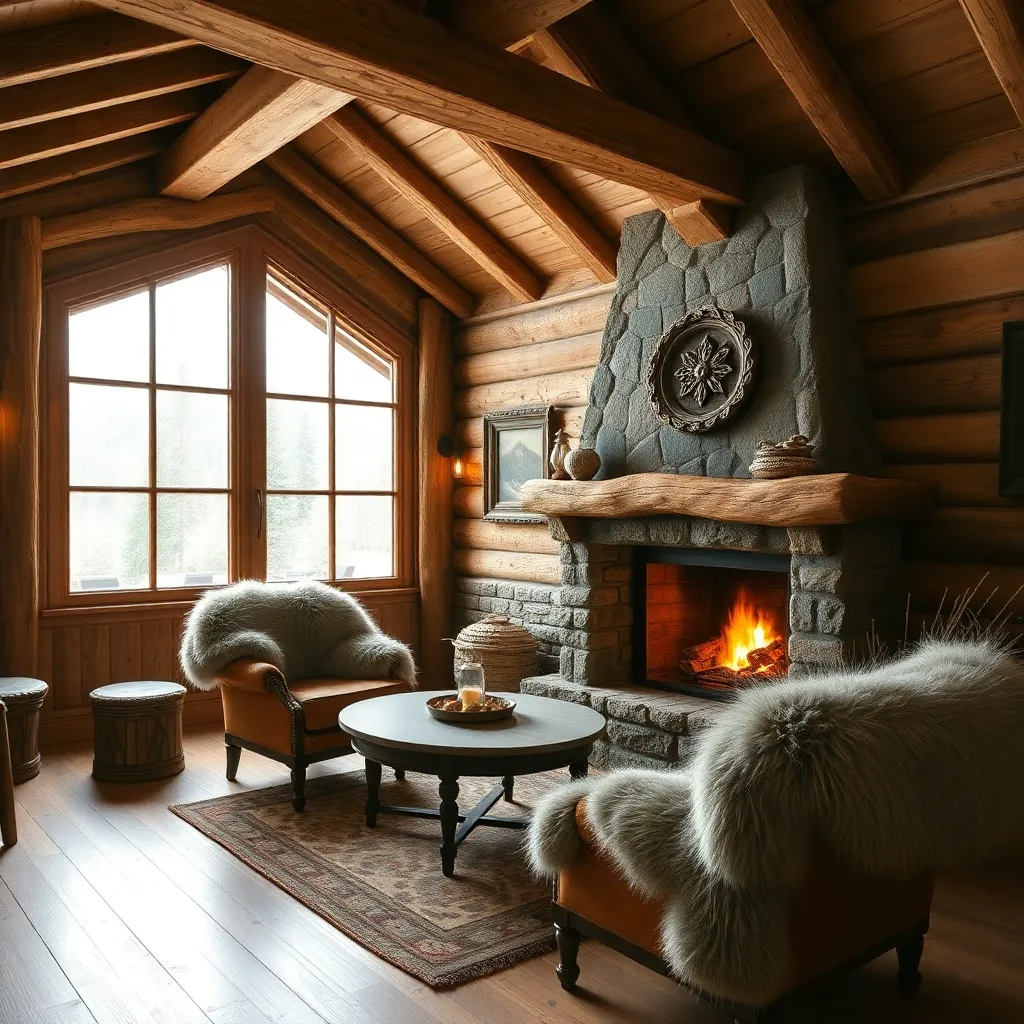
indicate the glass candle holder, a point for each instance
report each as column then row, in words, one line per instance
column 472, row 690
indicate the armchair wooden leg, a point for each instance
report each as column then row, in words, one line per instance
column 8, row 822
column 299, row 786
column 400, row 774
column 234, row 755
column 908, row 954
column 568, row 970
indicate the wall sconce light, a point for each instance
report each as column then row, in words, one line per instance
column 450, row 448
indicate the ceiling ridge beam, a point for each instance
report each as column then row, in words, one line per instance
column 263, row 111
column 59, row 49
column 306, row 178
column 155, row 214
column 530, row 182
column 80, row 131
column 998, row 26
column 412, row 182
column 578, row 47
column 789, row 39
column 114, row 84
column 412, row 64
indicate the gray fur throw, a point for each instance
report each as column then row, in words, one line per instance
column 306, row 629
column 913, row 765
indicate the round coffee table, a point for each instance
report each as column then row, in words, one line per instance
column 397, row 730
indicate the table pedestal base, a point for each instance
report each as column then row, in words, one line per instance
column 455, row 826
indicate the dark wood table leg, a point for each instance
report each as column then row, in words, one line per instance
column 373, row 774
column 579, row 769
column 508, row 783
column 448, row 790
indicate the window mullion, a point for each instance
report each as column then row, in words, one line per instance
column 331, row 441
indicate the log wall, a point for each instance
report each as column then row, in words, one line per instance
column 933, row 282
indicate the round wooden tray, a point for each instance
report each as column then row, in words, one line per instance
column 468, row 717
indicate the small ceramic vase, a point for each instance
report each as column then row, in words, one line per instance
column 558, row 453
column 582, row 463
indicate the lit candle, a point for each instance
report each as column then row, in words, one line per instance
column 471, row 696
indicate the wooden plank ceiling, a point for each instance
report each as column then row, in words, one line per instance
column 612, row 107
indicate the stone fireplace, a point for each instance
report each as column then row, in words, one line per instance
column 657, row 552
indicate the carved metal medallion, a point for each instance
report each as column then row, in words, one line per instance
column 702, row 370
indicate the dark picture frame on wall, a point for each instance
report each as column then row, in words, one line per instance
column 517, row 443
column 1011, row 424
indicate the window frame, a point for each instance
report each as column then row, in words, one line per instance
column 250, row 252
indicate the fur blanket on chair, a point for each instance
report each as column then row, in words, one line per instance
column 913, row 765
column 305, row 629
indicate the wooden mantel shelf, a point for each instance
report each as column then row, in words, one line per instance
column 825, row 499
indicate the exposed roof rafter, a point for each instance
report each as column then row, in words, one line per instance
column 783, row 29
column 305, row 178
column 68, row 46
column 999, row 26
column 80, row 131
column 113, row 85
column 530, row 182
column 410, row 180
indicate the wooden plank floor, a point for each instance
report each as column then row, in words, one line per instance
column 113, row 910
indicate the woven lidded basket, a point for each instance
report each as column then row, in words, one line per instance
column 507, row 652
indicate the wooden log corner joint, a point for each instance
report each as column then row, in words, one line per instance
column 826, row 499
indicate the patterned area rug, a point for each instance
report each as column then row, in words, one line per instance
column 383, row 887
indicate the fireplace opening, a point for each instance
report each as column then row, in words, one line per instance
column 709, row 622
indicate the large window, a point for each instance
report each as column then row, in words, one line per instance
column 219, row 413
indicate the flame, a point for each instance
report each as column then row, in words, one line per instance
column 748, row 629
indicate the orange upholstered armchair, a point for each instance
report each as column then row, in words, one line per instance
column 294, row 722
column 836, row 920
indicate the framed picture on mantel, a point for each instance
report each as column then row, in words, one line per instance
column 1011, row 424
column 516, row 446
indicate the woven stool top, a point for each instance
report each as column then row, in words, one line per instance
column 136, row 693
column 13, row 688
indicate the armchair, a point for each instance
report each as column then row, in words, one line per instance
column 294, row 722
column 836, row 919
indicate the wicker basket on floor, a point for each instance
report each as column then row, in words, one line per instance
column 507, row 652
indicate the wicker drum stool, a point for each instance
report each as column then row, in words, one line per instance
column 137, row 731
column 23, row 697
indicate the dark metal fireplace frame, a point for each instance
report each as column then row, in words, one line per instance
column 750, row 560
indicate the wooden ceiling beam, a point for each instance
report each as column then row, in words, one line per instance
column 305, row 178
column 999, row 26
column 137, row 215
column 69, row 46
column 413, row 183
column 412, row 64
column 97, row 88
column 263, row 111
column 81, row 162
column 503, row 23
column 65, row 134
column 529, row 181
column 590, row 48
column 783, row 29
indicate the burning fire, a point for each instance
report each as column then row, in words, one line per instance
column 748, row 629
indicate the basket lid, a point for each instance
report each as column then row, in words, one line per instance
column 498, row 633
